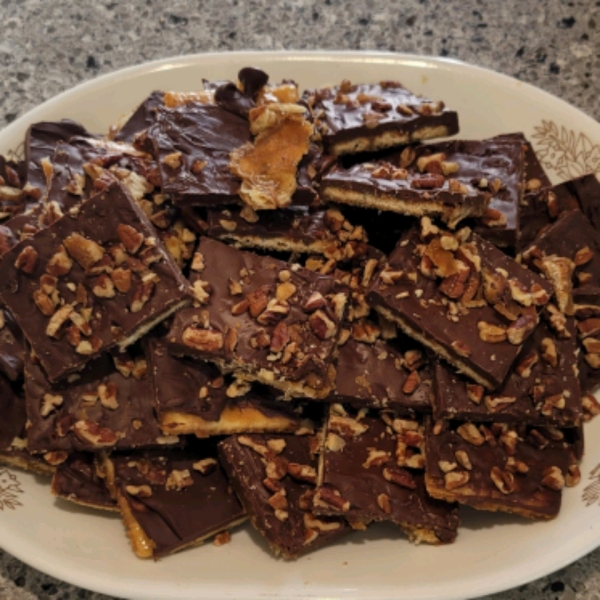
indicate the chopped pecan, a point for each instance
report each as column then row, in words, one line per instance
column 553, row 479
column 399, row 476
column 503, row 480
column 94, row 434
column 470, row 434
column 463, row 459
column 302, row 472
column 559, row 271
column 140, row 491
column 549, row 351
column 122, row 279
column 178, row 480
column 525, row 365
column 103, row 287
column 205, row 340
column 85, row 252
column 326, row 497
column 50, row 402
column 258, row 300
column 411, row 383
column 108, row 393
column 475, row 393
column 455, row 479
column 58, row 319
column 493, row 334
column 27, row 259
column 583, row 256
column 323, row 327
column 573, row 476
column 130, row 237
column 521, row 328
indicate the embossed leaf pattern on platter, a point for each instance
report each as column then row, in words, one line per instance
column 9, row 490
column 567, row 153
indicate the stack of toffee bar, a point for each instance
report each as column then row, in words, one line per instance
column 248, row 302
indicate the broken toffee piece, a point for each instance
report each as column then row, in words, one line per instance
column 13, row 443
column 192, row 397
column 106, row 405
column 94, row 279
column 263, row 319
column 586, row 307
column 274, row 476
column 192, row 144
column 363, row 476
column 324, row 232
column 462, row 297
column 389, row 186
column 77, row 480
column 500, row 467
column 495, row 165
column 172, row 500
column 40, row 143
column 545, row 206
column 369, row 117
column 142, row 118
column 383, row 374
column 541, row 389
column 569, row 248
column 12, row 346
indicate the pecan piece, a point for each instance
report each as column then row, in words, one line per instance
column 205, row 340
column 493, row 334
column 95, row 435
column 503, row 480
column 85, row 252
column 27, row 260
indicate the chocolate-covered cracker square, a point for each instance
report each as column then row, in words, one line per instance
column 106, row 405
column 500, row 467
column 388, row 185
column 461, row 297
column 40, row 143
column 383, row 374
column 586, row 307
column 13, row 443
column 78, row 480
column 172, row 500
column 325, row 232
column 192, row 397
column 545, row 206
column 192, row 144
column 368, row 117
column 363, row 476
column 94, row 279
column 264, row 319
column 542, row 387
column 274, row 477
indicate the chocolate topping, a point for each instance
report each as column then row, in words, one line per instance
column 105, row 262
column 193, row 143
column 142, row 118
column 286, row 520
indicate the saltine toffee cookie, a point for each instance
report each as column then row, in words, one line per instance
column 371, row 469
column 13, row 436
column 548, row 203
column 586, row 309
column 106, row 405
column 94, row 279
column 493, row 165
column 264, row 319
column 461, row 297
column 40, row 143
column 274, row 476
column 16, row 195
column 322, row 231
column 12, row 346
column 567, row 250
column 172, row 499
column 192, row 144
column 78, row 479
column 542, row 387
column 368, row 117
column 192, row 397
column 139, row 120
column 390, row 185
column 375, row 372
column 503, row 467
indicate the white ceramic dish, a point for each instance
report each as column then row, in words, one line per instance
column 492, row 552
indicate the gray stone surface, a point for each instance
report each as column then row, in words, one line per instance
column 47, row 46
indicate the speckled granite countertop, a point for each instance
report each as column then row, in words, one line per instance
column 47, row 46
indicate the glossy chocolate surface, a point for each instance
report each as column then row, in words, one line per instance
column 174, row 518
column 361, row 483
column 201, row 137
column 100, row 220
column 290, row 534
